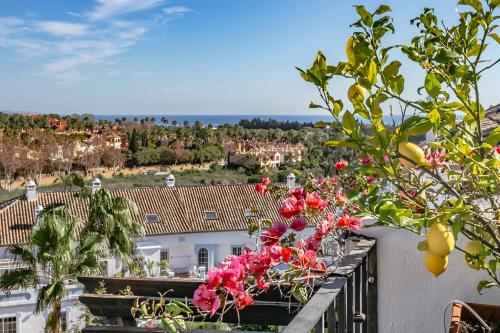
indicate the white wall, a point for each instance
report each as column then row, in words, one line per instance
column 412, row 300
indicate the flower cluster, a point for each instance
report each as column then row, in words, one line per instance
column 238, row 279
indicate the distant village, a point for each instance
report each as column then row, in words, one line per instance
column 33, row 145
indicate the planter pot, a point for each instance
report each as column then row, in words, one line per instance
column 461, row 316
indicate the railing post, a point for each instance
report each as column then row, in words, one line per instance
column 372, row 315
column 357, row 295
column 364, row 292
column 342, row 311
column 350, row 305
column 320, row 325
column 331, row 317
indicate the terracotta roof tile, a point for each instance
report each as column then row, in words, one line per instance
column 179, row 209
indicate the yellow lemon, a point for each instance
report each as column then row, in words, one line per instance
column 440, row 239
column 411, row 152
column 472, row 257
column 356, row 93
column 434, row 263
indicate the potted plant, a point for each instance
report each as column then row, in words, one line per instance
column 449, row 186
column 472, row 317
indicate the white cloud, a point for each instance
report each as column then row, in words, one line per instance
column 111, row 8
column 59, row 28
column 176, row 10
column 87, row 43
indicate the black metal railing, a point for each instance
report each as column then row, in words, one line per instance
column 345, row 302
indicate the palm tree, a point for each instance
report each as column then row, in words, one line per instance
column 111, row 218
column 53, row 256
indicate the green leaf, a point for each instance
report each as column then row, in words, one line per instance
column 337, row 143
column 348, row 122
column 372, row 72
column 432, row 85
column 423, row 245
column 445, row 55
column 337, row 107
column 474, row 50
column 416, row 125
column 484, row 284
column 314, row 106
column 494, row 136
column 300, row 294
column 365, row 16
column 476, row 4
column 382, row 9
column 392, row 69
column 495, row 37
column 398, row 84
column 434, row 116
column 493, row 264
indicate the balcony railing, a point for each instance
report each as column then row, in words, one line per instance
column 345, row 302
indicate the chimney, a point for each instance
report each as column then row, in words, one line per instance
column 170, row 180
column 31, row 191
column 38, row 210
column 96, row 185
column 290, row 181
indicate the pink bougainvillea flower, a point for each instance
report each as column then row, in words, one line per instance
column 312, row 244
column 262, row 284
column 322, row 229
column 354, row 223
column 299, row 223
column 213, row 278
column 275, row 254
column 291, row 207
column 320, row 181
column 370, row 180
column 261, row 189
column 341, row 164
column 367, row 160
column 313, row 199
column 272, row 235
column 265, row 181
column 206, row 299
column 299, row 193
column 243, row 300
column 258, row 263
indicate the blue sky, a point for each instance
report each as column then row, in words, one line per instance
column 180, row 56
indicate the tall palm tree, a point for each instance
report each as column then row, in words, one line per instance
column 53, row 256
column 111, row 218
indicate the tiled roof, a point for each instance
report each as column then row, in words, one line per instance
column 180, row 209
column 491, row 120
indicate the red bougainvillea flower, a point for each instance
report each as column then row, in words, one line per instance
column 261, row 189
column 320, row 181
column 370, row 180
column 340, row 198
column 298, row 193
column 340, row 165
column 262, row 284
column 243, row 300
column 298, row 223
column 312, row 244
column 265, row 181
column 306, row 259
column 272, row 235
column 367, row 160
column 498, row 149
column 313, row 200
column 291, row 207
column 286, row 254
column 258, row 263
column 352, row 223
column 206, row 299
column 213, row 278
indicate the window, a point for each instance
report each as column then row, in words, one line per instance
column 8, row 325
column 236, row 250
column 250, row 212
column 203, row 257
column 64, row 322
column 164, row 260
column 210, row 215
column 152, row 218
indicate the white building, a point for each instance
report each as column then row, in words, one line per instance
column 196, row 226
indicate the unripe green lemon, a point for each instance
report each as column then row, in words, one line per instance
column 473, row 251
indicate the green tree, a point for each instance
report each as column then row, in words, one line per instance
column 56, row 254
